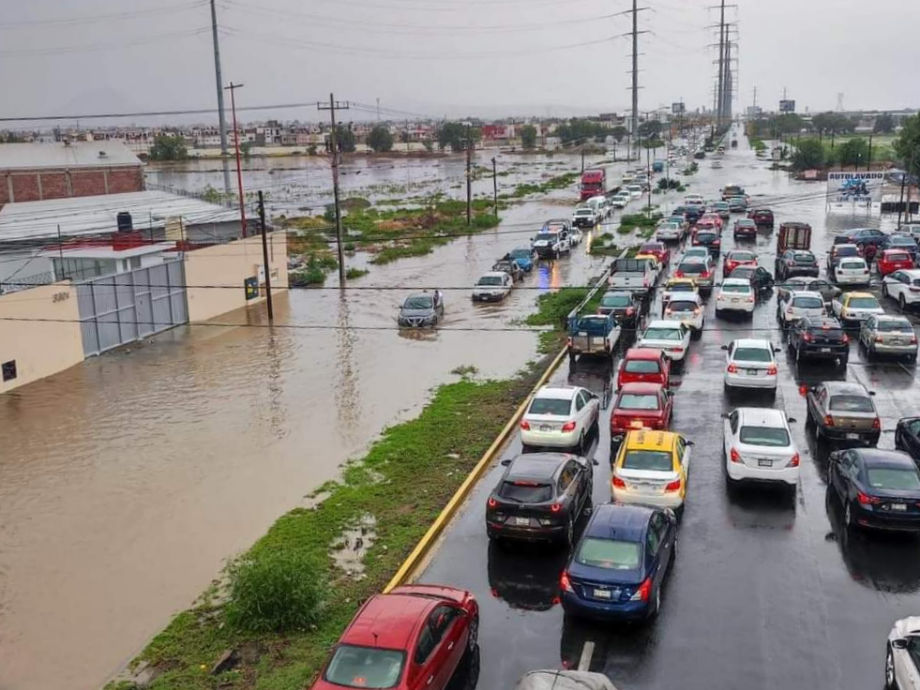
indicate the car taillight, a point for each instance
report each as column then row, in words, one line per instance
column 879, row 339
column 732, row 369
column 865, row 499
column 913, row 340
column 629, row 311
column 704, row 274
column 673, row 486
column 619, row 483
column 568, row 426
column 735, row 455
column 828, row 420
column 525, row 425
column 771, row 370
column 794, row 462
column 808, row 337
column 555, row 508
column 565, row 583
column 876, row 423
column 644, row 591
column 492, row 502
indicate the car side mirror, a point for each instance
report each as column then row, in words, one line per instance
column 900, row 643
column 776, row 349
column 594, row 462
column 690, row 443
column 506, row 462
column 791, row 420
column 724, row 347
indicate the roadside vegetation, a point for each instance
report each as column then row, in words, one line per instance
column 641, row 221
column 603, row 245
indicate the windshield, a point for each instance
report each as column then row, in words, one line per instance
column 752, row 354
column 898, row 256
column 742, row 256
column 552, row 406
column 808, row 302
column 650, row 460
column 526, row 491
column 863, row 303
column 706, row 236
column 418, row 303
column 893, row 478
column 893, row 326
column 764, row 436
column 584, row 212
column 851, row 403
column 662, row 334
column 846, row 251
column 365, row 667
column 743, row 272
column 682, row 305
column 735, row 287
column 826, row 332
column 631, row 401
column 641, row 366
column 490, row 280
column 681, row 287
column 804, row 257
column 545, row 237
column 616, row 301
column 609, row 554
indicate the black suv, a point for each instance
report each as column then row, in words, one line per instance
column 819, row 338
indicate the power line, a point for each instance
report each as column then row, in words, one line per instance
column 95, row 18
column 63, row 50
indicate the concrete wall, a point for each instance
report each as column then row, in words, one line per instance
column 228, row 266
column 39, row 348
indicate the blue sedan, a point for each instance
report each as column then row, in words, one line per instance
column 523, row 257
column 618, row 568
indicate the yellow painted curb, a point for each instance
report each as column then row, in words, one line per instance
column 410, row 567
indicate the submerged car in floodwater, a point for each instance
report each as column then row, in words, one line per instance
column 423, row 309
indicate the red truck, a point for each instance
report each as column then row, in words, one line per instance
column 593, row 183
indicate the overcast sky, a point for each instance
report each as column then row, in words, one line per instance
column 448, row 57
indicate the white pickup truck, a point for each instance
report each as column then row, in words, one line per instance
column 633, row 275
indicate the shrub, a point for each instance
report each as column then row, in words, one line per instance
column 485, row 221
column 275, row 591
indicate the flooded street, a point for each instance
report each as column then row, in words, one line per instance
column 127, row 481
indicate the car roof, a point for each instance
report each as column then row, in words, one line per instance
column 617, row 521
column 494, row 274
column 646, row 353
column 754, row 342
column 911, row 272
column 647, row 439
column 895, row 251
column 820, row 321
column 737, row 281
column 843, row 245
column 807, row 293
column 742, row 251
column 420, row 294
column 686, row 296
column 845, row 388
column 852, row 259
column 877, row 457
column 761, row 416
column 661, row 323
column 859, row 294
column 389, row 620
column 641, row 388
column 558, row 392
column 893, row 317
column 537, row 465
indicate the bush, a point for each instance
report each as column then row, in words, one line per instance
column 275, row 591
column 485, row 221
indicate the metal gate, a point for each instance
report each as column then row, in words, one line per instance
column 125, row 307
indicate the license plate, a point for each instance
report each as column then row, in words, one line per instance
column 636, row 424
column 765, row 463
column 602, row 594
column 545, row 427
column 825, row 349
column 522, row 521
column 752, row 372
column 852, row 437
column 897, row 506
column 583, row 334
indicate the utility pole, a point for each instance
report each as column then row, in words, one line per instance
column 635, row 69
column 469, row 175
column 236, row 142
column 221, row 114
column 265, row 264
column 720, row 94
column 332, row 107
column 495, row 185
column 648, row 165
column 582, row 159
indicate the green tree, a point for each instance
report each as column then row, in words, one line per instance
column 168, row 147
column 808, row 154
column 853, row 152
column 578, row 131
column 907, row 144
column 832, row 123
column 380, row 139
column 619, row 133
column 649, row 129
column 454, row 135
column 884, row 124
column 344, row 139
column 528, row 136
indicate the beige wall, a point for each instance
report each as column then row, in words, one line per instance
column 40, row 348
column 228, row 265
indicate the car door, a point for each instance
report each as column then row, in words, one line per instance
column 894, row 284
column 912, row 438
column 567, row 489
column 846, row 473
column 426, row 659
column 447, row 625
column 578, row 486
column 683, row 455
column 580, row 412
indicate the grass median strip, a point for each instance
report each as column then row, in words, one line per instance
column 241, row 633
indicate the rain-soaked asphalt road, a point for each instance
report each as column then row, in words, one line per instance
column 126, row 481
column 767, row 592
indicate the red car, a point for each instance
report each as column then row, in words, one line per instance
column 640, row 406
column 762, row 217
column 738, row 257
column 656, row 249
column 410, row 639
column 644, row 365
column 892, row 260
column 711, row 220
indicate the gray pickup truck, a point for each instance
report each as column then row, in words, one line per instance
column 633, row 275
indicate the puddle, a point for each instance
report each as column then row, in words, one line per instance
column 349, row 549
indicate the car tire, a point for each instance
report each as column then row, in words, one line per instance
column 569, row 538
column 847, row 516
column 891, row 681
column 885, row 292
column 473, row 638
column 580, row 446
column 656, row 603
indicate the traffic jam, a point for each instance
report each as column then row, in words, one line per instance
column 721, row 489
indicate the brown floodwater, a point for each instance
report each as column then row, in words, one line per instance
column 127, row 481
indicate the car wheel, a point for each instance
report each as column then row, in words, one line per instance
column 891, row 682
column 580, row 446
column 847, row 516
column 798, row 356
column 473, row 638
column 656, row 603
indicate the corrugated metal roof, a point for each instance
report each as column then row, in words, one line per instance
column 78, row 154
column 91, row 215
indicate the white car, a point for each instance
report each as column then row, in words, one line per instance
column 671, row 337
column 585, row 216
column 601, row 204
column 635, row 191
column 902, row 657
column 735, row 294
column 852, row 270
column 669, row 231
column 493, row 287
column 575, row 236
column 801, row 303
column 853, row 307
column 699, row 252
column 758, row 446
column 749, row 363
column 620, row 200
column 687, row 308
column 560, row 417
column 903, row 287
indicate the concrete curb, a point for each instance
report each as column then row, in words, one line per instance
column 413, row 564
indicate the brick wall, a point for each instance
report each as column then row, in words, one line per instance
column 86, row 183
column 25, row 187
column 59, row 183
column 55, row 185
column 125, row 180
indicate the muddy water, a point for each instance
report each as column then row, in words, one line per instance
column 127, row 481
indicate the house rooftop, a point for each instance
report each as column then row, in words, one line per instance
column 77, row 154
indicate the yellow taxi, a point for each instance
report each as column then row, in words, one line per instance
column 651, row 468
column 678, row 287
column 655, row 263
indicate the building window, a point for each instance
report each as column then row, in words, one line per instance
column 9, row 370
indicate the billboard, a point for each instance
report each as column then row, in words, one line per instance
column 678, row 109
column 787, row 106
column 846, row 190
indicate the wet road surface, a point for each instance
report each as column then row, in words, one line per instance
column 128, row 480
column 767, row 591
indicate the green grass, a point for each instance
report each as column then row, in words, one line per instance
column 403, row 482
column 353, row 273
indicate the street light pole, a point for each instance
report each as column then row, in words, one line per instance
column 236, row 141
